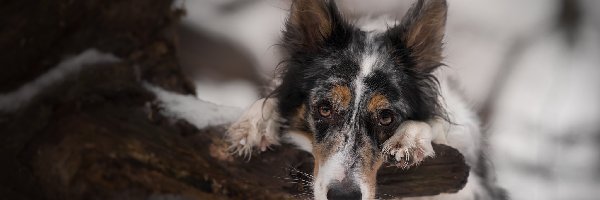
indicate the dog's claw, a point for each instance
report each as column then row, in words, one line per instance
column 256, row 129
column 410, row 145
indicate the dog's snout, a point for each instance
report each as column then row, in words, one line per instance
column 345, row 189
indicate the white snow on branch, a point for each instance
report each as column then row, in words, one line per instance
column 20, row 97
column 240, row 94
column 197, row 112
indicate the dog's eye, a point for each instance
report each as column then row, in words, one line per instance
column 325, row 109
column 385, row 117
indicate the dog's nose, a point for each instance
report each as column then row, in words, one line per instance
column 345, row 189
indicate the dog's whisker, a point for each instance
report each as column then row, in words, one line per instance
column 302, row 196
column 301, row 172
column 297, row 180
column 306, row 175
column 385, row 196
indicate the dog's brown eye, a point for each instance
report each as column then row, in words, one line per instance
column 385, row 117
column 325, row 110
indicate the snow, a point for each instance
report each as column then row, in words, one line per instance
column 240, row 94
column 480, row 35
column 12, row 101
column 197, row 112
column 547, row 120
column 255, row 28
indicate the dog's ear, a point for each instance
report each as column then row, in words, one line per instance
column 421, row 33
column 311, row 23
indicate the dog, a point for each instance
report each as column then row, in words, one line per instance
column 360, row 95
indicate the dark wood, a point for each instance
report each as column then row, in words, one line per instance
column 99, row 135
column 446, row 173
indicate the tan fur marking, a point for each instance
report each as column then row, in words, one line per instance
column 370, row 165
column 297, row 124
column 318, row 154
column 341, row 96
column 370, row 175
column 425, row 23
column 378, row 101
column 312, row 18
column 430, row 26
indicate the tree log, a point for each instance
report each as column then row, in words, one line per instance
column 99, row 135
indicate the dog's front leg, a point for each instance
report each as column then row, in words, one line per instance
column 257, row 128
column 410, row 144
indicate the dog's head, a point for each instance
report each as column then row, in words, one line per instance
column 345, row 91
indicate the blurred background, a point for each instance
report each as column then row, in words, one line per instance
column 531, row 69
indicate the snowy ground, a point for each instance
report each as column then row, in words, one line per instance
column 545, row 131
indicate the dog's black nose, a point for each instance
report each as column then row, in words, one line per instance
column 344, row 190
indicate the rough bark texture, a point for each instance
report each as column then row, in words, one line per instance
column 98, row 134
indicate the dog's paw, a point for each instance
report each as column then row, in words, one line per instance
column 257, row 129
column 410, row 145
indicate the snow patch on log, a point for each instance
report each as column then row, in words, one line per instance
column 14, row 100
column 197, row 112
column 238, row 94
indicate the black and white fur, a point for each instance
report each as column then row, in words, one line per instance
column 358, row 95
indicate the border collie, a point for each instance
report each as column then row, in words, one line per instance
column 360, row 95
